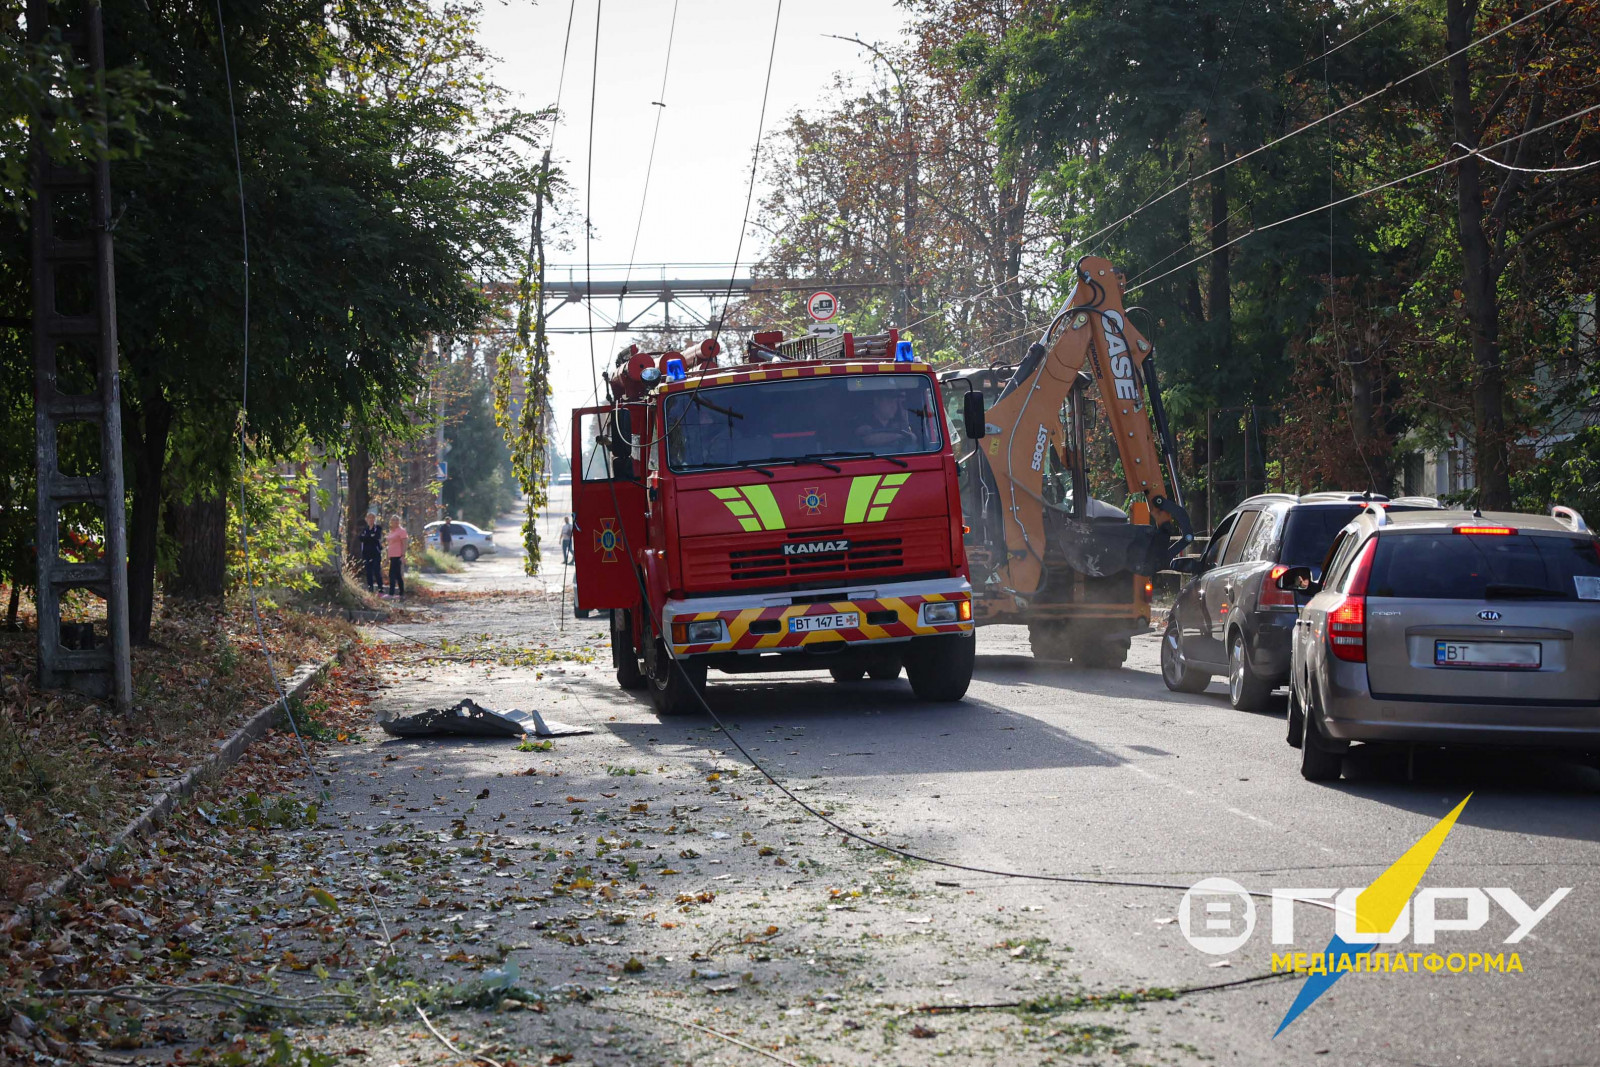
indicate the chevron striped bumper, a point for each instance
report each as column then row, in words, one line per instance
column 887, row 613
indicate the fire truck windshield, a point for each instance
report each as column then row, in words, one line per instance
column 811, row 419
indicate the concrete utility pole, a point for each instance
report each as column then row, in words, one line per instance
column 74, row 316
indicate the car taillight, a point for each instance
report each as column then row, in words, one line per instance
column 1347, row 629
column 1498, row 531
column 1347, row 620
column 1271, row 596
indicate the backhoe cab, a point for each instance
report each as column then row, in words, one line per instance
column 1043, row 551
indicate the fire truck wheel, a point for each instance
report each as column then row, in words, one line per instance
column 940, row 668
column 846, row 674
column 675, row 687
column 623, row 658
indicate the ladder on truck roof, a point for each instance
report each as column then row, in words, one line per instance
column 877, row 347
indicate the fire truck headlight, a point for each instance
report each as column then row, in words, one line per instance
column 708, row 632
column 943, row 612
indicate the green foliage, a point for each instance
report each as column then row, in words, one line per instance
column 286, row 547
column 481, row 485
column 1568, row 474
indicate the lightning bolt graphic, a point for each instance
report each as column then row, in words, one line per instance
column 1378, row 907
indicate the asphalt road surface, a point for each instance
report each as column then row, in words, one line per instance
column 1104, row 774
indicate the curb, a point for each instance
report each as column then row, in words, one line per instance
column 225, row 755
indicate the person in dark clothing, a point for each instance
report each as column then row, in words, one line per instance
column 444, row 534
column 371, row 539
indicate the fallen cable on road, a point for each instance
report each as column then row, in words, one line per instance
column 702, row 1029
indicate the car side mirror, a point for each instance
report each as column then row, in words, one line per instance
column 972, row 414
column 1187, row 565
column 1299, row 580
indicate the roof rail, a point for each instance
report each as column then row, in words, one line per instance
column 1377, row 511
column 1290, row 497
column 1417, row 501
column 1341, row 496
column 1569, row 518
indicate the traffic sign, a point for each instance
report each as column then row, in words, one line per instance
column 825, row 329
column 822, row 306
column 443, row 472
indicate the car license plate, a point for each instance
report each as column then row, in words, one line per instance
column 805, row 624
column 1502, row 655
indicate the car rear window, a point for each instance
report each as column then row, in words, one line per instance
column 1441, row 565
column 1311, row 530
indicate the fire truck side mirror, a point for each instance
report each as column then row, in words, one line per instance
column 972, row 414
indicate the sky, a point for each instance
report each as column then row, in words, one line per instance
column 708, row 128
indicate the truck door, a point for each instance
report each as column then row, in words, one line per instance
column 609, row 501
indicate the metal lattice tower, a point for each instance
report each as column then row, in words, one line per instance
column 74, row 331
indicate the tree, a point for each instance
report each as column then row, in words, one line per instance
column 1512, row 203
column 379, row 175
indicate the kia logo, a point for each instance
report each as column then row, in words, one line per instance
column 1491, row 615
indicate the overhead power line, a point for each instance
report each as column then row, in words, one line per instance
column 1365, row 192
column 1319, row 121
column 755, row 159
column 660, row 105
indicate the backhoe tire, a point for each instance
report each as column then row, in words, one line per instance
column 676, row 688
column 886, row 671
column 1106, row 655
column 940, row 668
column 1048, row 641
column 1175, row 670
column 846, row 674
column 623, row 657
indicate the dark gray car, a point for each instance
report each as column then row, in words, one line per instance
column 1448, row 627
column 1232, row 619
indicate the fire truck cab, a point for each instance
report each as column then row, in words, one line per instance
column 797, row 511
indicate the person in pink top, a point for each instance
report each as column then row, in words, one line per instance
column 397, row 539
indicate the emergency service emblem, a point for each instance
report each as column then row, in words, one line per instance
column 607, row 540
column 813, row 501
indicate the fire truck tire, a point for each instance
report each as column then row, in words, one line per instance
column 940, row 668
column 846, row 674
column 623, row 657
column 677, row 688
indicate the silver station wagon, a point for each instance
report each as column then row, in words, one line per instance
column 1448, row 627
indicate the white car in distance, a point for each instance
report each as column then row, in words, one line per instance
column 466, row 540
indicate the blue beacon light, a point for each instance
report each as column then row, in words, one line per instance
column 675, row 372
column 903, row 353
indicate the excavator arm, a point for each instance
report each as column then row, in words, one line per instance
column 1092, row 333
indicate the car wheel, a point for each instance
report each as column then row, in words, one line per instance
column 1247, row 690
column 470, row 553
column 1175, row 670
column 940, row 668
column 1320, row 760
column 846, row 674
column 1296, row 717
column 676, row 688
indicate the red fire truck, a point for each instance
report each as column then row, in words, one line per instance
column 796, row 511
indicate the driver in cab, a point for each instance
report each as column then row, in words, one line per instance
column 887, row 428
